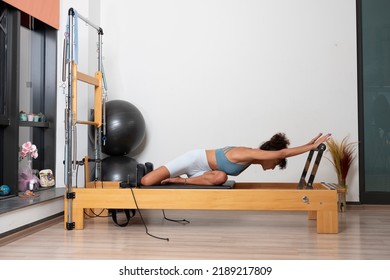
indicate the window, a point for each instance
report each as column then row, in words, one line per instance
column 28, row 82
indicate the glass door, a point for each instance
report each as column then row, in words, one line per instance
column 374, row 100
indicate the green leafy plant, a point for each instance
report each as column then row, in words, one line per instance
column 342, row 155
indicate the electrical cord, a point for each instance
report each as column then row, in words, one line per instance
column 183, row 221
column 143, row 221
column 96, row 215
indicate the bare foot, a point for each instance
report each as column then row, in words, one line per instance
column 176, row 180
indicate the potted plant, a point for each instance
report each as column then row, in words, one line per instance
column 30, row 117
column 28, row 182
column 22, row 116
column 342, row 155
column 42, row 117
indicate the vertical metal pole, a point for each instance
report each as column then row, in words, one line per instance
column 68, row 126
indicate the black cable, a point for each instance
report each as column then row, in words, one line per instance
column 77, row 172
column 95, row 185
column 142, row 219
column 96, row 215
column 183, row 221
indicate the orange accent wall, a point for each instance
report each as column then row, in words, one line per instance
column 47, row 11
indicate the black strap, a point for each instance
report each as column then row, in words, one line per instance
column 130, row 213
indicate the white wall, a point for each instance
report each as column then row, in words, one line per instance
column 210, row 73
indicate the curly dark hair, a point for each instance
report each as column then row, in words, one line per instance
column 277, row 142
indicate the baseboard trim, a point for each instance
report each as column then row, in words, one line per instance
column 25, row 230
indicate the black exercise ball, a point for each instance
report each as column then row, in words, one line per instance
column 125, row 128
column 119, row 168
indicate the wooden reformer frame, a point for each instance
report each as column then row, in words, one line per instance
column 318, row 199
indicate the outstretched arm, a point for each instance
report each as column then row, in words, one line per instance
column 255, row 154
column 313, row 144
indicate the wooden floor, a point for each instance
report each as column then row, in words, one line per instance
column 222, row 235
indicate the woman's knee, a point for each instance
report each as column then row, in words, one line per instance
column 155, row 177
column 147, row 181
column 219, row 177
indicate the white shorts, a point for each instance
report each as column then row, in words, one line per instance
column 193, row 163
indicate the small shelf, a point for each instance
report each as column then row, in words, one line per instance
column 34, row 124
column 15, row 203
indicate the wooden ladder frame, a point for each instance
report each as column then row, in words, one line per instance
column 98, row 94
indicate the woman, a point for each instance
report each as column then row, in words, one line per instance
column 212, row 167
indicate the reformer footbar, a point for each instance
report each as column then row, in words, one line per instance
column 302, row 182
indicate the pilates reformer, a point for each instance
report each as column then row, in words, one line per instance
column 318, row 199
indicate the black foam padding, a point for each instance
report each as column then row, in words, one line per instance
column 148, row 167
column 227, row 185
